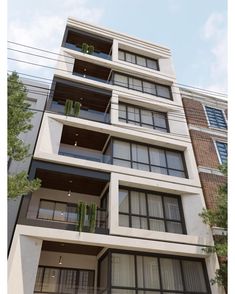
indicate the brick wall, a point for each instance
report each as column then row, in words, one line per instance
column 194, row 112
column 210, row 185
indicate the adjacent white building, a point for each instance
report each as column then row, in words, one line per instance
column 129, row 152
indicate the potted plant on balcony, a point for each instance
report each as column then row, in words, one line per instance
column 91, row 49
column 92, row 217
column 68, row 107
column 85, row 48
column 81, row 209
column 76, row 108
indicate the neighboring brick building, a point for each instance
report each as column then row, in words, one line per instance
column 207, row 121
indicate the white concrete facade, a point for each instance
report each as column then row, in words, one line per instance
column 126, row 238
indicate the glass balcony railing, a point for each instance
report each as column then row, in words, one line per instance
column 86, row 155
column 91, row 77
column 95, row 53
column 88, row 114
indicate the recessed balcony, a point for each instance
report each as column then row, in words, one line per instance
column 94, row 102
column 102, row 47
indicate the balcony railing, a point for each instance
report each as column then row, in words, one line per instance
column 95, row 53
column 91, row 77
column 88, row 114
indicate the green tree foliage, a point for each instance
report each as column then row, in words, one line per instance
column 19, row 117
column 218, row 218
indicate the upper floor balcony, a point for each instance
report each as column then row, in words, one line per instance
column 94, row 44
column 94, row 103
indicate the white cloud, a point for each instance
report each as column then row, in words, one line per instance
column 45, row 30
column 215, row 32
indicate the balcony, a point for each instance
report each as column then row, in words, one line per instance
column 94, row 103
column 102, row 46
column 85, row 144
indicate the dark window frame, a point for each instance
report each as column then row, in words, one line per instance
column 109, row 253
column 140, row 123
column 139, row 55
column 131, row 161
column 147, row 216
column 60, row 269
column 141, row 80
column 221, row 156
column 216, row 120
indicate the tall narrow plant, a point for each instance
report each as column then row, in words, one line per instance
column 68, row 107
column 91, row 49
column 81, row 216
column 85, row 48
column 92, row 217
column 76, row 108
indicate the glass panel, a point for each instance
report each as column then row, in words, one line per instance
column 149, row 88
column 121, row 150
column 159, row 170
column 130, row 57
column 157, row 157
column 72, row 213
column 176, row 173
column 124, row 220
column 122, row 111
column 150, row 292
column 174, row 227
column 68, row 281
column 121, row 55
column 163, row 91
column 141, row 60
column 139, row 222
column 120, row 80
column 38, row 283
column 51, row 280
column 171, row 274
column 159, row 120
column 171, row 208
column 152, row 63
column 86, row 281
column 140, row 153
column 60, row 213
column 46, row 209
column 122, row 291
column 157, row 225
column 103, row 274
column 122, row 163
column 194, row 276
column 174, row 160
column 123, row 201
column 155, row 205
column 147, row 272
column 140, row 166
column 123, row 270
column 138, row 203
column 135, row 84
column 146, row 117
column 133, row 113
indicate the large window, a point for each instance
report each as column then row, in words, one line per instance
column 142, row 85
column 150, row 211
column 64, row 281
column 154, row 159
column 138, row 59
column 143, row 117
column 222, row 151
column 216, row 117
column 136, row 273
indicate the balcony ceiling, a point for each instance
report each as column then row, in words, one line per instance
column 75, row 183
column 85, row 138
column 88, row 99
column 71, row 248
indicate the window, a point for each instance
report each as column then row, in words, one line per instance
column 142, row 85
column 138, row 59
column 150, row 211
column 216, row 117
column 222, row 151
column 61, row 280
column 154, row 159
column 143, row 117
column 133, row 272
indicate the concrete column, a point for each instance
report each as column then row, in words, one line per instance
column 23, row 264
column 114, row 109
column 113, row 203
column 115, row 50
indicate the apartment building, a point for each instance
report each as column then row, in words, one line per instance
column 128, row 151
column 207, row 121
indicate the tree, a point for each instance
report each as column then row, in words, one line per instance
column 218, row 218
column 19, row 117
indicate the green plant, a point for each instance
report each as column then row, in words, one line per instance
column 68, row 107
column 81, row 216
column 92, row 217
column 91, row 49
column 76, row 108
column 85, row 48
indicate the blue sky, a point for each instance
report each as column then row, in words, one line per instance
column 194, row 30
